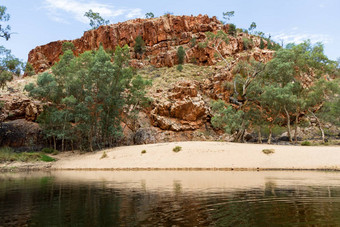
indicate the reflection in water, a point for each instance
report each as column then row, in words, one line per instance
column 168, row 198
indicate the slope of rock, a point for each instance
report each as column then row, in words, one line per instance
column 180, row 110
column 161, row 35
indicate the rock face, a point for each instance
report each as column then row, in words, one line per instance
column 162, row 36
column 184, row 109
column 21, row 135
column 180, row 112
column 19, row 107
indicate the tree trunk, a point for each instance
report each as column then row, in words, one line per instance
column 54, row 143
column 270, row 134
column 259, row 139
column 240, row 135
column 72, row 145
column 288, row 125
column 90, row 140
column 296, row 126
column 319, row 125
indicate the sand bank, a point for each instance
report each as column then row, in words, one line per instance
column 205, row 156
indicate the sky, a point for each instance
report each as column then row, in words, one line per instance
column 38, row 22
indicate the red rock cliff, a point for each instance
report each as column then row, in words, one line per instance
column 160, row 36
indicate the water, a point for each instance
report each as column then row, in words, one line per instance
column 170, row 198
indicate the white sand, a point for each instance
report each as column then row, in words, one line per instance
column 205, row 155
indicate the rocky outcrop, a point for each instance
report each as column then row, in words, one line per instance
column 183, row 109
column 162, row 37
column 19, row 107
column 21, row 135
column 181, row 112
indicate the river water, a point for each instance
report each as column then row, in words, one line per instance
column 170, row 198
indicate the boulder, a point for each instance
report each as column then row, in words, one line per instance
column 145, row 136
column 21, row 134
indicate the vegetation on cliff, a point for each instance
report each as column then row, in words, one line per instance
column 92, row 97
column 87, row 97
column 265, row 95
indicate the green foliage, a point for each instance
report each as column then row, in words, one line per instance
column 227, row 118
column 270, row 96
column 8, row 155
column 179, row 67
column 149, row 15
column 9, row 66
column 247, row 43
column 29, row 70
column 67, row 46
column 87, row 96
column 4, row 17
column 269, row 44
column 306, row 143
column 261, row 44
column 180, row 55
column 177, row 149
column 227, row 15
column 232, row 29
column 139, row 45
column 252, row 27
column 143, row 152
column 48, row 150
column 95, row 19
column 46, row 158
column 220, row 36
column 202, row 45
column 193, row 42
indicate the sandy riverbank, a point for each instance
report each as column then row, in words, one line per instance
column 198, row 156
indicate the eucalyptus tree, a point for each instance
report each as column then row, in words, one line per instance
column 87, row 96
column 95, row 19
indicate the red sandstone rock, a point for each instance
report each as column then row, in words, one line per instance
column 162, row 37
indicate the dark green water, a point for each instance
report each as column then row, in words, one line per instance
column 165, row 198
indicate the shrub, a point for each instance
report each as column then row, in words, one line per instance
column 193, row 42
column 268, row 151
column 29, row 70
column 46, row 158
column 143, row 152
column 261, row 44
column 177, row 149
column 306, row 143
column 104, row 155
column 180, row 67
column 232, row 30
column 139, row 45
column 247, row 43
column 180, row 55
column 228, row 86
column 202, row 45
column 149, row 15
column 48, row 150
column 8, row 155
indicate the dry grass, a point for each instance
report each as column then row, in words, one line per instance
column 104, row 155
column 268, row 151
column 18, row 85
column 163, row 78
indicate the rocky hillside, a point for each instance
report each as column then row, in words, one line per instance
column 180, row 108
column 162, row 37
